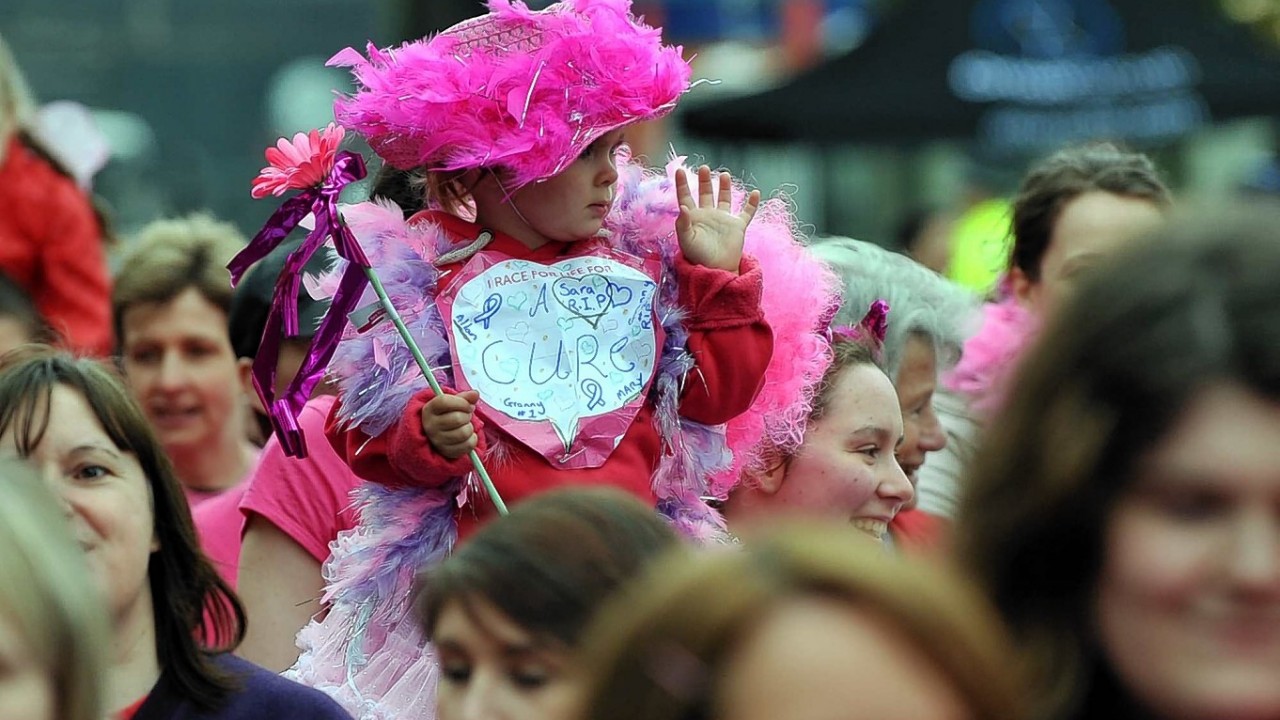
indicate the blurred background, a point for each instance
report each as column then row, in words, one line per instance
column 871, row 114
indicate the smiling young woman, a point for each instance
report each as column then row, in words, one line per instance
column 173, row 622
column 846, row 468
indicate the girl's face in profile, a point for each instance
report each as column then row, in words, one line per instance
column 572, row 206
column 492, row 668
column 26, row 691
column 1188, row 603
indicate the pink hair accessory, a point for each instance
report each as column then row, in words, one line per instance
column 522, row 90
column 871, row 329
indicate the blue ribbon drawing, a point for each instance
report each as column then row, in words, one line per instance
column 492, row 305
column 595, row 394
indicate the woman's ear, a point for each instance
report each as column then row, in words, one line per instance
column 244, row 371
column 1024, row 288
column 770, row 480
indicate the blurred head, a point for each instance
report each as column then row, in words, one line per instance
column 1074, row 209
column 52, row 627
column 20, row 322
column 405, row 188
column 76, row 423
column 925, row 236
column 1125, row 512
column 247, row 320
column 170, row 304
column 808, row 624
column 507, row 610
column 845, row 469
column 929, row 318
column 16, row 103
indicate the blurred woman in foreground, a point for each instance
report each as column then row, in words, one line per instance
column 808, row 625
column 1125, row 513
column 52, row 628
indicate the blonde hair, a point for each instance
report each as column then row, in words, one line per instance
column 45, row 592
column 701, row 607
column 17, row 106
column 170, row 256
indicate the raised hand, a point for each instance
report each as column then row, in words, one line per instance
column 709, row 232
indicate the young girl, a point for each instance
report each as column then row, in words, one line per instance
column 594, row 323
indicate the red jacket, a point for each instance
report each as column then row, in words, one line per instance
column 728, row 337
column 51, row 245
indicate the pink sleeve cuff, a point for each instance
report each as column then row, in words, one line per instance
column 717, row 299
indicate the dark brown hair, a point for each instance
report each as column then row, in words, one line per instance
column 1066, row 175
column 660, row 650
column 405, row 188
column 183, row 581
column 1111, row 374
column 551, row 562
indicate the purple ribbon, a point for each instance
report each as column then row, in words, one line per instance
column 282, row 321
column 871, row 330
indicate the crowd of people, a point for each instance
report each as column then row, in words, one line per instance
column 677, row 459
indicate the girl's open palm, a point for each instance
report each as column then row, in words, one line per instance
column 709, row 232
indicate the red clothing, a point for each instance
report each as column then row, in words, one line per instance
column 728, row 337
column 919, row 533
column 51, row 246
column 129, row 712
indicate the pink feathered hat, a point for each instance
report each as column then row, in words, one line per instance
column 522, row 90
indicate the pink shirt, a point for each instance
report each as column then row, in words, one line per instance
column 196, row 498
column 219, row 526
column 309, row 499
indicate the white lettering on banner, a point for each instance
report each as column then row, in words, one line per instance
column 982, row 76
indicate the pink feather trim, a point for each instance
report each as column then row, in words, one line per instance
column 800, row 295
column 991, row 355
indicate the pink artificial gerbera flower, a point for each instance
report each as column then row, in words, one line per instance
column 300, row 164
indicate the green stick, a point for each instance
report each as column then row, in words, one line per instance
column 431, row 378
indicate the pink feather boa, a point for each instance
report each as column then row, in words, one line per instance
column 991, row 355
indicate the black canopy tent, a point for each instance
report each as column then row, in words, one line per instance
column 1018, row 76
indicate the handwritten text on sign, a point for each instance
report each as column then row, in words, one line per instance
column 557, row 345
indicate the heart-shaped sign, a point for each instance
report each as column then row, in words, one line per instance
column 562, row 354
